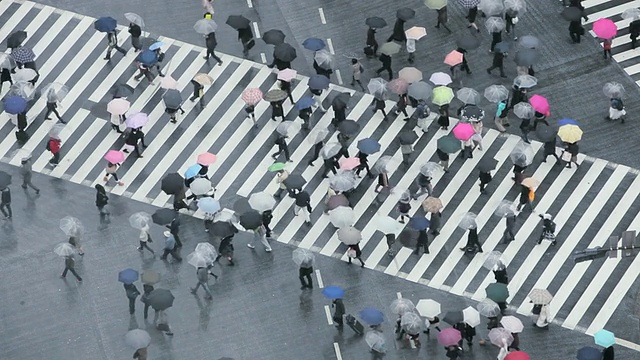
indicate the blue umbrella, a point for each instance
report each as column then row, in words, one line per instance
column 15, row 104
column 305, row 102
column 333, row 292
column 604, row 338
column 314, row 44
column 566, row 121
column 318, row 82
column 192, row 171
column 128, row 276
column 372, row 316
column 368, row 146
column 148, row 57
column 589, row 353
column 156, row 45
column 105, row 24
column 209, row 205
column 419, row 223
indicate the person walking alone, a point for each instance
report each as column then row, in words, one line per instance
column 304, row 272
column 277, row 110
column 550, row 149
column 135, row 32
column 356, row 69
column 497, row 63
column 174, row 229
column 303, row 203
column 132, row 293
column 575, row 31
column 372, row 45
column 110, row 170
column 211, row 43
column 198, row 92
column 386, row 65
column 245, row 36
column 144, row 238
column 471, row 17
column 27, row 174
column 338, row 314
column 112, row 43
column 443, row 18
column 473, row 244
column 282, row 147
column 355, row 252
column 101, row 199
column 5, row 203
column 508, row 234
column 147, row 289
column 69, row 265
column 202, row 274
column 53, row 145
column 170, row 247
column 52, row 105
column 423, row 242
column 260, row 234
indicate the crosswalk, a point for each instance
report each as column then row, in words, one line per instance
column 70, row 51
column 621, row 49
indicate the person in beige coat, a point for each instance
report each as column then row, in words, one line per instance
column 356, row 68
column 280, row 178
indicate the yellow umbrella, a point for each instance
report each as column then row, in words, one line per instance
column 442, row 95
column 531, row 183
column 203, row 79
column 570, row 133
column 432, row 204
column 435, row 4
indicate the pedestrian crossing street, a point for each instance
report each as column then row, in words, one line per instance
column 621, row 49
column 591, row 203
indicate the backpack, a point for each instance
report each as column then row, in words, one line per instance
column 617, row 104
column 536, row 309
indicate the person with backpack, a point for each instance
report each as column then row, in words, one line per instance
column 424, row 186
column 53, row 145
column 548, row 229
column 616, row 110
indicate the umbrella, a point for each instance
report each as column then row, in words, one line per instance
column 529, row 42
column 491, row 7
column 372, row 316
column 492, row 260
column 570, row 133
column 238, row 22
column 522, row 154
column 288, row 128
column 200, row 186
column 205, row 26
column 273, row 37
column 512, row 324
column 324, row 59
column 453, row 317
column 463, row 131
column 23, row 55
column 314, row 44
column 409, row 237
column 525, row 81
column 468, row 95
column 341, row 100
column 198, row 259
column 407, row 137
column 449, row 337
column 613, row 89
column 303, row 257
column 105, row 24
column 468, row 42
column 342, row 216
column 428, row 308
column 471, row 316
column 305, row 102
column 6, row 61
column 64, row 249
column 318, row 82
column 55, row 91
column 502, row 47
column 410, row 74
column 368, row 146
column 114, row 156
column 23, row 89
column 172, row 183
column 468, row 221
column 604, row 338
column 275, row 95
column 398, row 86
column 440, row 78
column 206, row 159
column 349, row 235
column 222, row 229
column 262, row 201
column 330, row 150
column 442, row 95
column 139, row 220
column 287, row 74
column 146, row 42
column 137, row 339
column 605, row 28
column 348, row 127
column 251, row 220
column 540, row 296
column 192, row 171
column 252, row 96
column 497, row 292
column 420, row 90
column 134, row 18
column 203, row 79
column 390, row 48
column 156, row 45
column 344, row 181
column 531, row 183
column 517, row 355
column 382, row 165
column 526, row 57
column 209, row 205
column 277, row 166
column 567, row 121
column 494, row 24
column 387, row 224
column 121, row 91
column 449, row 144
column 435, row 4
column 164, row 216
column 411, row 322
column 137, row 120
column 539, row 104
column 416, row 33
column 16, row 39
column 487, row 164
column 333, row 292
column 589, row 353
column 294, row 181
column 488, row 308
column 25, row 74
column 56, row 130
column 172, row 99
column 419, row 223
column 375, row 340
column 336, row 201
column 505, row 208
column 630, row 13
column 377, row 86
column 516, row 6
column 318, row 135
column 284, row 52
column 405, row 14
column 432, row 204
column 500, row 337
column 128, row 276
column 453, row 58
column 375, row 22
column 429, row 168
column 160, row 299
column 70, row 225
column 523, row 110
column 472, row 113
column 545, row 133
column 496, row 93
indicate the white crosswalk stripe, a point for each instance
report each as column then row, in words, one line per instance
column 575, row 197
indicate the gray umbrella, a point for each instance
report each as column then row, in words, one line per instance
column 526, row 57
column 523, row 110
column 494, row 24
column 420, row 90
column 172, row 99
column 330, row 150
column 160, row 299
column 468, row 42
column 529, row 42
column 294, row 181
column 348, row 127
column 468, row 95
column 545, row 133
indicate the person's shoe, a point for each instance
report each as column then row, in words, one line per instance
column 107, row 58
column 193, row 291
column 169, row 333
column 24, row 187
column 120, row 183
column 207, row 297
column 140, row 249
column 303, row 287
column 220, row 63
column 206, row 58
column 79, row 280
column 62, row 277
column 250, row 246
column 268, row 250
column 37, row 191
column 174, row 121
column 47, row 118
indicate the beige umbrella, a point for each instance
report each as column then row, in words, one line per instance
column 203, row 79
column 530, row 182
column 540, row 296
column 390, row 48
column 410, row 74
column 432, row 204
column 416, row 33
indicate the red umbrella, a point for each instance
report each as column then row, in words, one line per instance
column 252, row 96
column 517, row 355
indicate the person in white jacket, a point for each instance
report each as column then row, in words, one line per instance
column 543, row 318
column 144, row 238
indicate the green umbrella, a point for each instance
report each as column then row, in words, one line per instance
column 497, row 292
column 390, row 48
column 435, row 4
column 277, row 166
column 442, row 95
column 449, row 144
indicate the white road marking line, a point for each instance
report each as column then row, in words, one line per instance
column 399, row 295
column 336, row 347
column 7, row 27
column 256, row 31
column 339, row 76
column 263, row 57
column 319, row 279
column 330, row 46
column 322, row 18
column 327, row 312
column 249, row 4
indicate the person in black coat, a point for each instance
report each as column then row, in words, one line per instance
column 356, row 248
column 443, row 158
column 277, row 110
column 211, row 47
column 69, row 265
column 575, row 31
column 634, row 32
column 112, row 40
column 485, row 178
column 443, row 19
column 338, row 315
column 147, row 289
column 5, row 203
column 508, row 234
column 423, row 242
column 539, row 118
column 282, row 147
column 21, row 134
column 316, row 152
column 339, row 114
column 496, row 37
column 517, row 96
column 303, row 202
column 524, row 197
column 132, row 293
column 401, row 106
column 330, row 164
column 5, row 75
column 344, row 145
column 174, row 229
column 386, row 65
column 135, row 136
column 497, row 63
column 398, row 33
column 52, row 107
column 135, row 32
column 267, row 216
column 471, row 17
column 573, row 149
column 245, row 36
column 379, row 104
column 101, row 199
column 608, row 353
column 322, row 71
column 465, row 65
column 371, row 41
column 500, row 273
column 578, row 4
column 286, row 87
column 364, row 164
column 473, row 244
column 198, row 92
column 550, row 149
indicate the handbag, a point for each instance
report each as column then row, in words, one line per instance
column 351, row 253
column 566, row 156
column 536, row 309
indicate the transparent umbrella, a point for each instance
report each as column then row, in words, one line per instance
column 24, row 74
column 519, row 6
column 318, row 135
column 71, row 226
column 325, row 59
column 6, row 61
column 430, row 168
column 205, row 26
column 23, row 89
column 134, row 18
column 491, row 259
column 342, row 216
column 505, row 208
column 207, row 250
column 500, row 337
column 631, row 13
column 137, row 339
column 401, row 306
column 56, row 129
column 411, row 323
column 139, row 220
column 343, row 181
column 613, row 89
column 330, row 150
column 383, row 165
column 375, row 340
column 468, row 95
column 303, row 257
column 377, row 86
column 512, row 324
column 64, row 249
column 496, row 93
column 525, row 81
column 494, row 24
column 288, row 128
column 387, row 224
column 523, row 110
column 55, row 91
column 522, row 154
column 197, row 259
column 488, row 308
column 200, row 186
column 262, row 201
column 468, row 221
column 491, row 7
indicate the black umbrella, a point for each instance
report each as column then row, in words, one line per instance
column 341, row 100
column 487, row 164
column 172, row 183
column 294, row 181
column 405, row 14
column 5, row 179
column 407, row 137
column 172, row 99
column 468, row 42
column 409, row 237
column 164, row 216
column 284, row 52
column 222, row 229
column 121, row 91
column 376, row 22
column 160, row 299
column 526, row 57
column 545, row 133
column 238, row 22
column 472, row 113
column 453, row 317
column 273, row 37
column 571, row 13
column 251, row 220
column 348, row 127
column 502, row 47
column 241, row 206
column 16, row 39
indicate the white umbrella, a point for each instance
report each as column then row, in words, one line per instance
column 342, row 216
column 411, row 323
column 262, row 201
column 208, row 250
column 512, row 323
column 22, row 89
column 375, row 340
column 288, row 128
column 137, row 339
column 428, row 308
column 200, row 186
column 491, row 259
column 7, row 61
column 344, row 181
column 64, row 249
column 471, row 316
column 24, row 74
column 416, row 33
column 387, row 224
column 500, row 337
column 134, row 18
column 505, row 208
column 468, row 221
column 303, row 257
column 401, row 306
column 71, row 226
column 631, row 13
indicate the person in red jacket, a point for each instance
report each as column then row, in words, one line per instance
column 53, row 145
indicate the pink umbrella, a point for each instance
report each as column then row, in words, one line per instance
column 137, row 120
column 453, row 58
column 168, row 82
column 463, row 131
column 349, row 163
column 605, row 28
column 118, row 106
column 252, row 96
column 114, row 156
column 449, row 337
column 540, row 104
column 398, row 86
column 207, row 158
column 287, row 74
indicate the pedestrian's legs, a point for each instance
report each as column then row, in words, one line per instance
column 286, row 154
column 28, row 183
column 55, row 159
column 73, row 271
column 146, row 310
column 301, row 276
column 265, row 242
column 178, row 242
column 108, row 55
column 390, row 73
column 148, row 75
column 8, row 212
column 268, row 230
column 132, row 305
column 121, row 50
column 175, row 255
